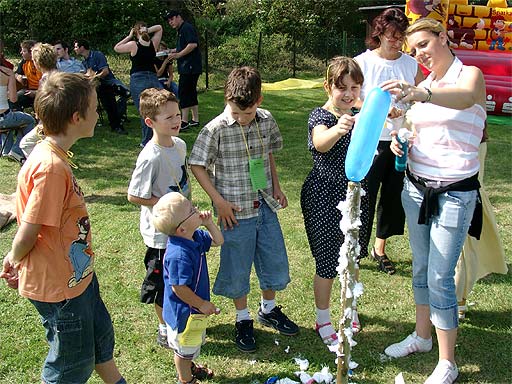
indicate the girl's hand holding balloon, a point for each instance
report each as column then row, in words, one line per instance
column 345, row 124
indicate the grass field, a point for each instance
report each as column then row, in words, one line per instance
column 386, row 309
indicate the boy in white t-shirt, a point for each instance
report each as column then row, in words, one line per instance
column 160, row 168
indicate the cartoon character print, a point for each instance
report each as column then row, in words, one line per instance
column 459, row 37
column 425, row 7
column 81, row 253
column 184, row 187
column 497, row 33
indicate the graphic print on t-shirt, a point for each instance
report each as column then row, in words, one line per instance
column 80, row 253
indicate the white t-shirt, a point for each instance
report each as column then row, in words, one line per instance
column 159, row 170
column 376, row 70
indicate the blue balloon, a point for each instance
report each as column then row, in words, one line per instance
column 366, row 134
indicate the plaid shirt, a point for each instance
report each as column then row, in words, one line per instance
column 221, row 149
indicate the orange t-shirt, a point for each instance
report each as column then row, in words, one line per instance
column 32, row 73
column 60, row 265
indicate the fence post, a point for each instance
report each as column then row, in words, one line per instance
column 344, row 42
column 259, row 51
column 294, row 57
column 206, row 67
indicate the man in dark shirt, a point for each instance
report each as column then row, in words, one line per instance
column 108, row 88
column 189, row 61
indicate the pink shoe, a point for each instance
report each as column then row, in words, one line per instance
column 330, row 337
column 356, row 324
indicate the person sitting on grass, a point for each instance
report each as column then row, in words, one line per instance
column 51, row 261
column 187, row 285
column 160, row 168
column 239, row 144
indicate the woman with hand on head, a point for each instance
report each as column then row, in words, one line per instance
column 441, row 187
column 330, row 130
column 385, row 61
column 142, row 52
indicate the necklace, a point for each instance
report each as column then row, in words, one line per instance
column 336, row 111
column 66, row 155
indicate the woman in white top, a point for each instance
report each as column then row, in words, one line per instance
column 385, row 61
column 12, row 119
column 440, row 191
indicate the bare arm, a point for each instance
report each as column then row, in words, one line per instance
column 189, row 297
column 127, row 45
column 157, row 32
column 470, row 90
column 140, row 201
column 324, row 138
column 185, row 51
column 24, row 241
column 278, row 193
column 215, row 233
column 224, row 208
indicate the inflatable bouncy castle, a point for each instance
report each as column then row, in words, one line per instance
column 480, row 36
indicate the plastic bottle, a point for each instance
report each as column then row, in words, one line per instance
column 366, row 134
column 403, row 138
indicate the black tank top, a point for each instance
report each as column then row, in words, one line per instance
column 143, row 59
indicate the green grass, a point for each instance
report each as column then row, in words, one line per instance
column 386, row 308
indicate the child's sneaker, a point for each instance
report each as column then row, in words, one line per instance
column 244, row 336
column 355, row 324
column 161, row 340
column 279, row 321
column 445, row 373
column 412, row 343
column 462, row 308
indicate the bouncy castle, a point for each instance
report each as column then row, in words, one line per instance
column 480, row 36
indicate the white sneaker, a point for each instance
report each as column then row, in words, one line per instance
column 15, row 156
column 412, row 343
column 445, row 373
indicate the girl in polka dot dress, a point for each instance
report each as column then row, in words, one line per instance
column 330, row 128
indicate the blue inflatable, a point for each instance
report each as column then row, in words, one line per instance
column 366, row 134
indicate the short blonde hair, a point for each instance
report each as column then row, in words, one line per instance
column 425, row 24
column 44, row 56
column 168, row 212
column 153, row 99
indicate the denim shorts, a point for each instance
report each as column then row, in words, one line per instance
column 436, row 247
column 80, row 334
column 257, row 240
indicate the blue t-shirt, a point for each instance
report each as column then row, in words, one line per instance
column 97, row 61
column 185, row 264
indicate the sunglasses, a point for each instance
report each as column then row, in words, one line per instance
column 193, row 211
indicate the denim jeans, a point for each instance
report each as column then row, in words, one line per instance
column 80, row 334
column 436, row 248
column 257, row 240
column 14, row 119
column 140, row 81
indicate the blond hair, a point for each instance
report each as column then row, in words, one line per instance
column 44, row 57
column 425, row 24
column 168, row 211
column 152, row 100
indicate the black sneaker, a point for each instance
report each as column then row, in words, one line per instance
column 244, row 336
column 279, row 321
column 184, row 126
column 161, row 340
column 120, row 131
column 193, row 123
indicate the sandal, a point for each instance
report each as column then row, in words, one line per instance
column 201, row 372
column 329, row 339
column 193, row 381
column 385, row 265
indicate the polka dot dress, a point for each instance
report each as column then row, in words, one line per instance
column 324, row 187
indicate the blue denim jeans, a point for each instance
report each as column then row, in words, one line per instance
column 14, row 119
column 436, row 248
column 140, row 81
column 80, row 335
column 257, row 240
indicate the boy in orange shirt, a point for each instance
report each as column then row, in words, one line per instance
column 51, row 260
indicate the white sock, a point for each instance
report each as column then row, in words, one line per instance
column 242, row 314
column 323, row 316
column 162, row 328
column 267, row 305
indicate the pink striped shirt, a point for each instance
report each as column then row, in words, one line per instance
column 447, row 141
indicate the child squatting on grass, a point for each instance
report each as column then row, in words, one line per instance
column 51, row 261
column 233, row 161
column 160, row 169
column 187, row 285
